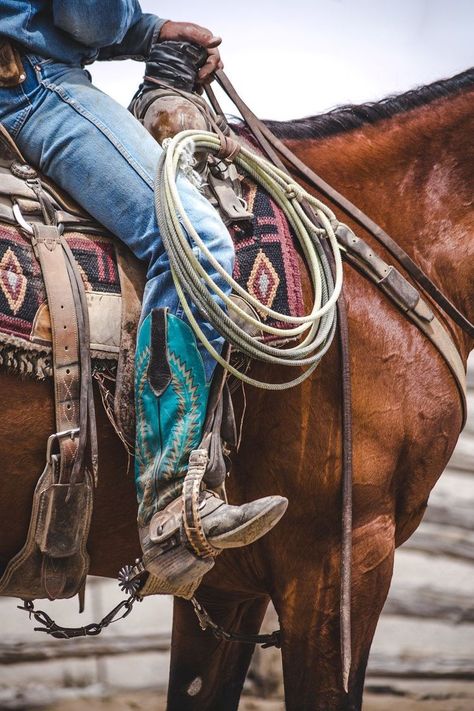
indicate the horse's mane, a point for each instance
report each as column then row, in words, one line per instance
column 346, row 118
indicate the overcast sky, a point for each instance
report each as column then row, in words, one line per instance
column 296, row 57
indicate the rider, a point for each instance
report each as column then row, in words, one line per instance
column 99, row 153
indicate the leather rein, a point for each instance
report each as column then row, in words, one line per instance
column 274, row 148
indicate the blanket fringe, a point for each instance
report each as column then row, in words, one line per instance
column 17, row 357
column 34, row 361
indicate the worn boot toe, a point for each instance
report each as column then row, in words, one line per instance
column 227, row 526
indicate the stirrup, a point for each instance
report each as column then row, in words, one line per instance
column 192, row 522
column 176, row 553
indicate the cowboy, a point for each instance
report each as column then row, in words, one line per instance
column 98, row 152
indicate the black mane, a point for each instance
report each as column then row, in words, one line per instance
column 346, row 118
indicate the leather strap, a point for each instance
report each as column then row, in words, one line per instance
column 65, row 341
column 394, row 285
column 346, row 403
column 275, row 149
column 345, row 605
column 273, row 146
column 53, row 562
column 87, row 422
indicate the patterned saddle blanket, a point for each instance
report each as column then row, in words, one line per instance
column 25, row 330
column 266, row 266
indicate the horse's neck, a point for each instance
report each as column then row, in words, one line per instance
column 413, row 174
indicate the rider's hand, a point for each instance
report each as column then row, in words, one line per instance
column 189, row 32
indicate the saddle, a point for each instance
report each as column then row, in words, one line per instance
column 102, row 316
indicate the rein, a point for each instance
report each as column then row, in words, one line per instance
column 346, row 402
column 274, row 147
column 276, row 150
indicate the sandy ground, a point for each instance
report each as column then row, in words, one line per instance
column 418, row 696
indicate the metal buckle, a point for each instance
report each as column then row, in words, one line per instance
column 25, row 226
column 56, row 437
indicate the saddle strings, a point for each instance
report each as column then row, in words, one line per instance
column 315, row 330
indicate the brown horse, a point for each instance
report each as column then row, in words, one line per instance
column 408, row 162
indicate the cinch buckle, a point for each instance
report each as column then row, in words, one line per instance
column 55, row 438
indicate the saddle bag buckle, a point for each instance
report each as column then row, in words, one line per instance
column 60, row 505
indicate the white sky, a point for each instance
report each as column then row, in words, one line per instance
column 297, row 57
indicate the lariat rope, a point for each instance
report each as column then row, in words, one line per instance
column 192, row 282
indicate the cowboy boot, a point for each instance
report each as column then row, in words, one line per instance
column 171, row 398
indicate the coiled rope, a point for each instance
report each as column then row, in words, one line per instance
column 315, row 330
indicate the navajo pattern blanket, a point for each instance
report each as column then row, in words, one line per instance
column 266, row 266
column 266, row 259
column 21, row 285
column 24, row 345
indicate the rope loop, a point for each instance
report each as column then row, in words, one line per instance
column 311, row 333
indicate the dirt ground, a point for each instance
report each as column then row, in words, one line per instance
column 419, row 696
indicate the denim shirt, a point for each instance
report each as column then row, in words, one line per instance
column 79, row 31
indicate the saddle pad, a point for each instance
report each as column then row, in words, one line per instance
column 24, row 318
column 266, row 262
column 266, row 266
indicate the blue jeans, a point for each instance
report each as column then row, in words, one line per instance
column 93, row 148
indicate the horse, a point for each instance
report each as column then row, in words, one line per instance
column 408, row 162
